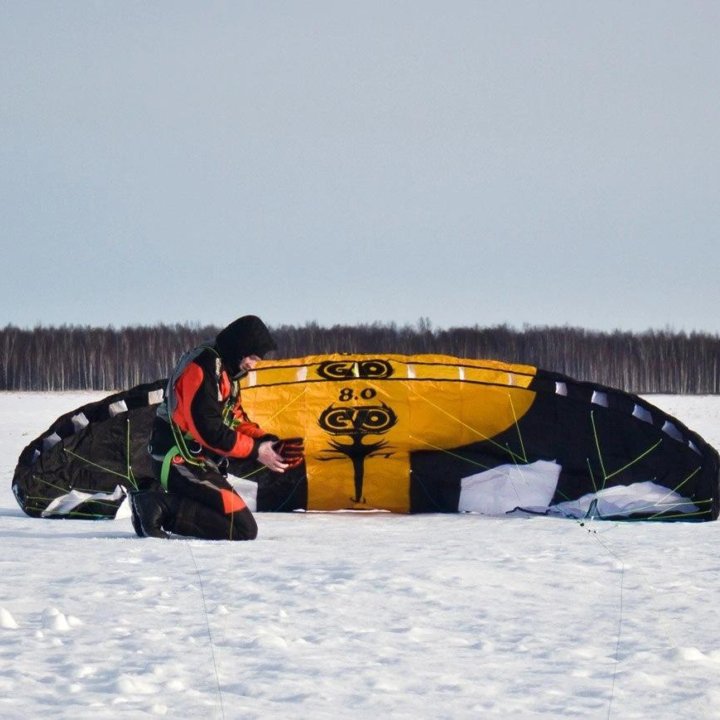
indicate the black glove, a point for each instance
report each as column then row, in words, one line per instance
column 292, row 450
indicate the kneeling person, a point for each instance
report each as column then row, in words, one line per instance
column 198, row 426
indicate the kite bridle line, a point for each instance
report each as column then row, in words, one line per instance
column 42, row 501
column 484, row 437
column 286, row 406
column 129, row 476
column 128, row 455
column 607, row 476
column 658, row 516
column 63, row 490
column 621, row 614
column 514, row 456
column 262, row 467
column 469, row 461
column 181, row 438
column 188, row 544
column 518, row 460
column 96, row 465
column 661, row 515
column 667, row 630
column 595, row 533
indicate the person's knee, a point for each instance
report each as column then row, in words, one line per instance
column 243, row 526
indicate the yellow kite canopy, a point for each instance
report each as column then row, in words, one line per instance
column 403, row 433
column 433, row 433
column 362, row 416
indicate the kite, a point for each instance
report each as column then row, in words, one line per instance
column 404, row 434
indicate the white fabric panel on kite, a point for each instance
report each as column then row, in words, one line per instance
column 626, row 500
column 510, row 487
column 66, row 504
column 247, row 489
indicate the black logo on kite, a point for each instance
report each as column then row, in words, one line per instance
column 355, row 369
column 356, row 423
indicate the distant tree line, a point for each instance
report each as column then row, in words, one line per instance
column 80, row 358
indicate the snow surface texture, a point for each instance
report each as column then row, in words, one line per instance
column 356, row 616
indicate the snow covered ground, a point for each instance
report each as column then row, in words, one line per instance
column 356, row 616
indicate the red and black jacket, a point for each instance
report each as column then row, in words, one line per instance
column 204, row 405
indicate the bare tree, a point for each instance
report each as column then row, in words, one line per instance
column 74, row 357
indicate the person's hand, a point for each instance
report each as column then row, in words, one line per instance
column 271, row 459
column 292, row 450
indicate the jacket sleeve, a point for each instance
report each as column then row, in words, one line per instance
column 199, row 412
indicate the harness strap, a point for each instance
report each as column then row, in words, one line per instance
column 166, row 411
column 170, row 455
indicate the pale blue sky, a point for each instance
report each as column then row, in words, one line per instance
column 474, row 162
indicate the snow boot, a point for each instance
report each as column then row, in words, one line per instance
column 151, row 510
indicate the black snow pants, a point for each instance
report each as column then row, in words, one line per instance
column 205, row 505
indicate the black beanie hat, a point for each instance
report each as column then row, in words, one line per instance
column 243, row 337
